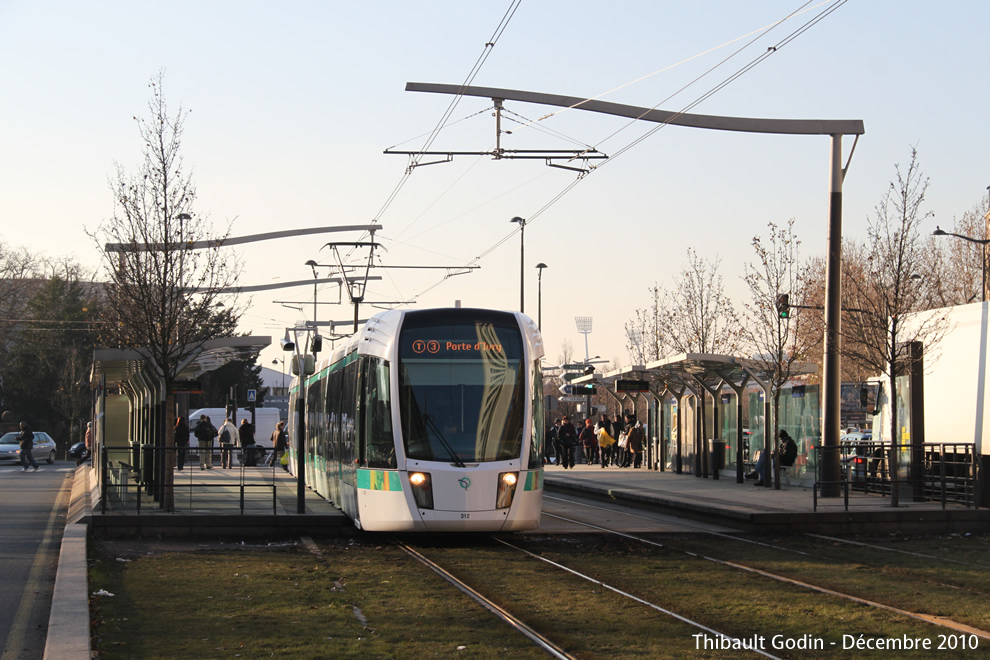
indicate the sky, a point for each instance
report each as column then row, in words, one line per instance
column 291, row 107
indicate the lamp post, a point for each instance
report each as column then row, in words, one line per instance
column 539, row 295
column 276, row 361
column 312, row 264
column 522, row 261
column 982, row 242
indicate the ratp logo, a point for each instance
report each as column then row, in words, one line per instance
column 464, row 482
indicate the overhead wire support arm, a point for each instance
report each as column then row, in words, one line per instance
column 549, row 155
column 499, row 153
column 233, row 240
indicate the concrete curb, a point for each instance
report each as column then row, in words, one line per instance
column 68, row 623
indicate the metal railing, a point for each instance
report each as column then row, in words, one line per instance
column 127, row 488
column 941, row 472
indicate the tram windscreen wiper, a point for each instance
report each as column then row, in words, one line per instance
column 446, row 445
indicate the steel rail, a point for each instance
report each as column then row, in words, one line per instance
column 630, row 596
column 927, row 618
column 528, row 632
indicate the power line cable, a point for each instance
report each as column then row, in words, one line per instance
column 736, row 75
column 489, row 46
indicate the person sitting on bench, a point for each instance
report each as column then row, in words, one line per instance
column 787, row 449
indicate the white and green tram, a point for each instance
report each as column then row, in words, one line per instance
column 428, row 420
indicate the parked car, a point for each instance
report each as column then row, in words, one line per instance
column 44, row 447
column 79, row 452
column 861, row 455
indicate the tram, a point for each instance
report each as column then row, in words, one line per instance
column 428, row 421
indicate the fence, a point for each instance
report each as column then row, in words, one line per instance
column 941, row 472
column 249, row 489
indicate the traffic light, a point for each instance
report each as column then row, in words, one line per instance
column 783, row 306
column 582, row 390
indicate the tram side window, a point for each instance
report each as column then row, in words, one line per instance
column 378, row 415
column 348, row 410
column 539, row 421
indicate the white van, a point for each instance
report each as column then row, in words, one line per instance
column 265, row 420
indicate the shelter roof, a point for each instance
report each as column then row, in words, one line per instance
column 682, row 370
column 120, row 365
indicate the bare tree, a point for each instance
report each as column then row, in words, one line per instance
column 566, row 352
column 889, row 284
column 46, row 329
column 699, row 317
column 961, row 263
column 17, row 268
column 811, row 330
column 644, row 333
column 774, row 339
column 694, row 317
column 151, row 277
column 153, row 274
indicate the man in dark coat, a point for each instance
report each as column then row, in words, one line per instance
column 25, row 439
column 567, row 440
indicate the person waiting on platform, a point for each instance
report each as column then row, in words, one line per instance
column 605, row 440
column 205, row 432
column 635, row 440
column 567, row 440
column 787, row 449
column 280, row 441
column 553, row 453
column 249, row 449
column 228, row 436
column 590, row 442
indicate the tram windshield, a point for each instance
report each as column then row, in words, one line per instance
column 461, row 386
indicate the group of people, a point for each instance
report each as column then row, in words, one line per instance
column 607, row 442
column 230, row 437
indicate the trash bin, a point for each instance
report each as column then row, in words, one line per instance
column 716, row 456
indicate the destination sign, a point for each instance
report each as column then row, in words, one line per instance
column 632, row 386
column 438, row 346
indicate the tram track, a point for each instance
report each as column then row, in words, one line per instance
column 697, row 529
column 875, row 546
column 622, row 590
column 830, row 539
column 542, row 640
column 520, row 626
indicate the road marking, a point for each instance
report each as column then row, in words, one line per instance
column 18, row 630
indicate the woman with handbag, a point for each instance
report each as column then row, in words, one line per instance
column 605, row 439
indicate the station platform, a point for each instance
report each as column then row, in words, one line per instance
column 250, row 502
column 209, row 502
column 759, row 509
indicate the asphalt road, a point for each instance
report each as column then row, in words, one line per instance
column 33, row 507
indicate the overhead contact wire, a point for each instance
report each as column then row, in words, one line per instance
column 735, row 76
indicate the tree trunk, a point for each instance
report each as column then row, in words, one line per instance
column 169, row 458
column 894, row 439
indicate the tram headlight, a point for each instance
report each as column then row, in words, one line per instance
column 506, row 489
column 422, row 489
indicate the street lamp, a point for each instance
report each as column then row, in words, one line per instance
column 276, row 361
column 522, row 261
column 312, row 264
column 979, row 241
column 539, row 296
